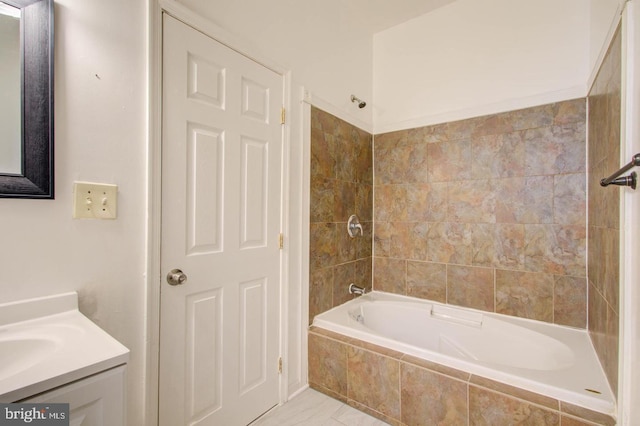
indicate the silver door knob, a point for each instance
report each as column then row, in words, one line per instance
column 176, row 277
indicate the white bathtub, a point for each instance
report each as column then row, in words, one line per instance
column 548, row 359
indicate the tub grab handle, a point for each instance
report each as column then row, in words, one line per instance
column 445, row 313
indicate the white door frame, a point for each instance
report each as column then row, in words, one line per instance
column 629, row 348
column 154, row 207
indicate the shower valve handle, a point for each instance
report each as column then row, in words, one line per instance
column 353, row 226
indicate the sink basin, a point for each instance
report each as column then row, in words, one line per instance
column 47, row 342
column 18, row 353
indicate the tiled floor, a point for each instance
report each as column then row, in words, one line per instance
column 311, row 408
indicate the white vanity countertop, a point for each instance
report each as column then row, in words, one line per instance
column 46, row 342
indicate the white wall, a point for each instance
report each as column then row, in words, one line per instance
column 100, row 136
column 474, row 57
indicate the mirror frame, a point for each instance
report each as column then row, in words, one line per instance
column 37, row 178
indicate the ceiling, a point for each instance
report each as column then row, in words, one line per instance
column 378, row 15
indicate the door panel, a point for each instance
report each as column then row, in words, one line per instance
column 204, row 199
column 221, row 201
column 255, row 169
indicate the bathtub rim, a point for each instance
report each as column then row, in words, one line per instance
column 604, row 403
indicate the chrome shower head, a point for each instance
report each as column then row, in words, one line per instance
column 360, row 102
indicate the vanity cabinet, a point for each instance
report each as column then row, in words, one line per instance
column 97, row 400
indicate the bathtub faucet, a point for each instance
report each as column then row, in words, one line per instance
column 354, row 289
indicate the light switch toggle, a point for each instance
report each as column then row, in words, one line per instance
column 94, row 200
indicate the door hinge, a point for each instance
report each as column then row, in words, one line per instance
column 280, row 365
column 283, row 115
column 281, row 241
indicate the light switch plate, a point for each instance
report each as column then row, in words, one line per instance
column 94, row 200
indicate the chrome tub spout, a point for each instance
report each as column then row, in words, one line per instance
column 354, row 289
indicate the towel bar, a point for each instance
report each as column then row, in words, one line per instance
column 629, row 180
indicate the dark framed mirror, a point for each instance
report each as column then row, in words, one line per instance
column 32, row 176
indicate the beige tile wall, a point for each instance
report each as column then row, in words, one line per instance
column 341, row 185
column 488, row 213
column 604, row 227
column 404, row 390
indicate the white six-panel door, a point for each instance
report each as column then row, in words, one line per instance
column 221, row 210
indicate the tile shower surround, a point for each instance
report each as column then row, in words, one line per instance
column 487, row 213
column 604, row 211
column 341, row 185
column 403, row 390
